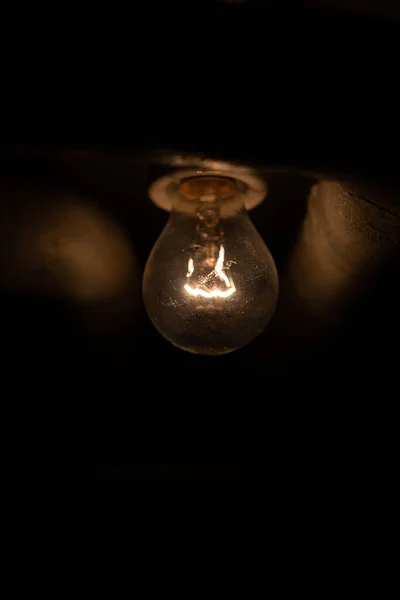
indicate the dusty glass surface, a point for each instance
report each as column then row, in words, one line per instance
column 210, row 285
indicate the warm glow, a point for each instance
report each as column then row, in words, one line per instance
column 217, row 271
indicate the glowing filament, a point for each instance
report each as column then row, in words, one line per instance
column 220, row 265
column 212, row 294
column 190, row 268
column 219, row 272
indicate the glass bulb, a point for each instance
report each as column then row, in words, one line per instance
column 210, row 285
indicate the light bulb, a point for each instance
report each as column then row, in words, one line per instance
column 210, row 284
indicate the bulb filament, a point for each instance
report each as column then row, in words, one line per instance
column 218, row 271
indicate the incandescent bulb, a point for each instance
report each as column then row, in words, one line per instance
column 210, row 285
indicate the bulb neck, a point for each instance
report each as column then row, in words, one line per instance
column 192, row 186
column 206, row 188
column 208, row 197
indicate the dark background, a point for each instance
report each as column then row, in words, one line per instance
column 91, row 391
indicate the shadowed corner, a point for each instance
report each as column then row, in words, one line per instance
column 344, row 242
column 57, row 246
